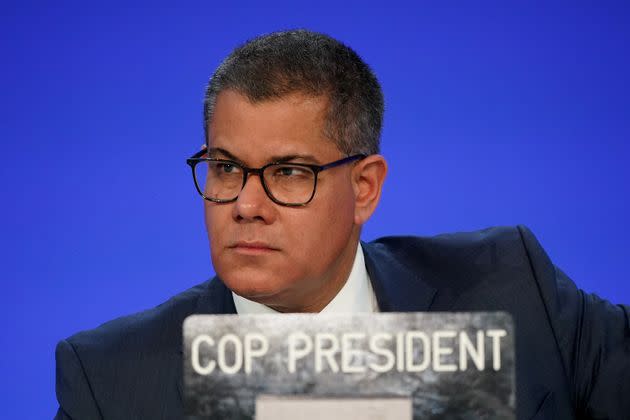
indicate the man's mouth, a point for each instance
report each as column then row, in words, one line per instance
column 252, row 247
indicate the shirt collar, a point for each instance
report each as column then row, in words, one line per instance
column 355, row 296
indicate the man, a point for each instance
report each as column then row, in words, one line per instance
column 289, row 174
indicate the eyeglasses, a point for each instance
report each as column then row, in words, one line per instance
column 287, row 184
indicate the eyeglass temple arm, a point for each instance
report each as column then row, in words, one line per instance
column 199, row 154
column 343, row 161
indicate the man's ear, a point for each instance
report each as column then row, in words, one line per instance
column 368, row 176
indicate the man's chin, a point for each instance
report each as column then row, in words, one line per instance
column 260, row 289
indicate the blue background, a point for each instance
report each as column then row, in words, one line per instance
column 497, row 113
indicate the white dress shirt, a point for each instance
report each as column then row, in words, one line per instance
column 355, row 296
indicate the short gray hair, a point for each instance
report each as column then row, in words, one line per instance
column 299, row 61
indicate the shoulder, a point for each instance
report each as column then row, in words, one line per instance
column 460, row 255
column 119, row 369
column 158, row 327
column 492, row 237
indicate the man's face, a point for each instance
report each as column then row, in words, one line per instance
column 289, row 258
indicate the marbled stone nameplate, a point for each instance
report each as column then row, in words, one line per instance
column 451, row 365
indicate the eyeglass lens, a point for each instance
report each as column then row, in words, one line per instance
column 287, row 183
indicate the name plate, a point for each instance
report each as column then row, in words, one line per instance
column 448, row 365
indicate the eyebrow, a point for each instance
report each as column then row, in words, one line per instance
column 213, row 151
column 217, row 150
column 287, row 158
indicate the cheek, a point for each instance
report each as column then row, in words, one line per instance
column 340, row 207
column 214, row 216
column 325, row 231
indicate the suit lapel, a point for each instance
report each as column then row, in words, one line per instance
column 397, row 288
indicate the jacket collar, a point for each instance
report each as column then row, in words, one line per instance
column 397, row 287
column 216, row 300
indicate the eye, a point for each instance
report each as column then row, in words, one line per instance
column 290, row 171
column 227, row 168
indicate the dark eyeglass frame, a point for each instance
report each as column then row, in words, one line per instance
column 195, row 159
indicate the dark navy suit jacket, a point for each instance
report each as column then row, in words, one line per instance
column 572, row 348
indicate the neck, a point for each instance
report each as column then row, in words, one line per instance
column 325, row 290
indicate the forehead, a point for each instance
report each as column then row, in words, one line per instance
column 254, row 131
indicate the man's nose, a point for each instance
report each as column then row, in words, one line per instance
column 252, row 203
